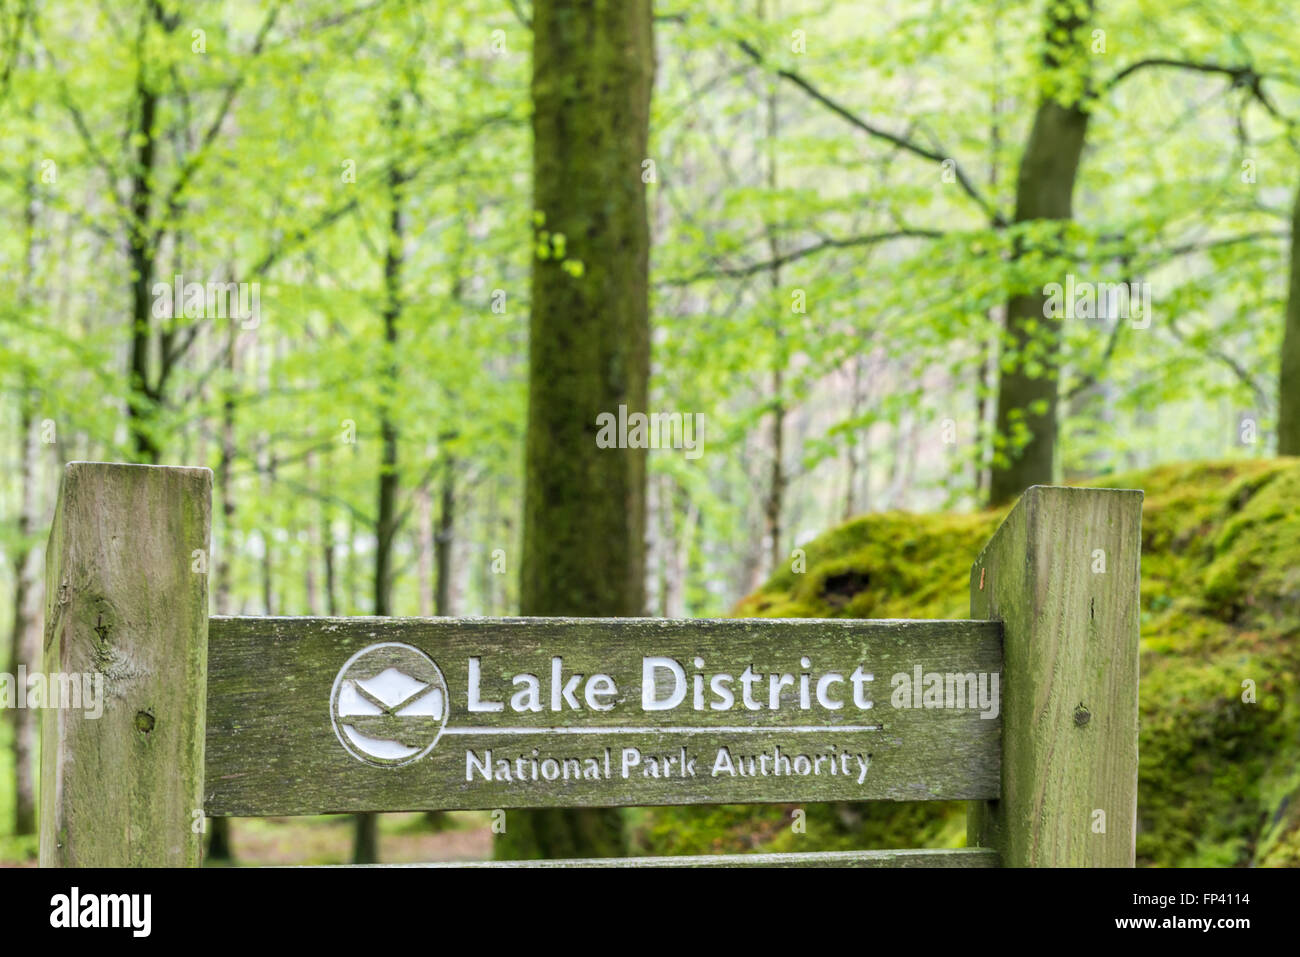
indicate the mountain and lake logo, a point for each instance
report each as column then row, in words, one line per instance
column 389, row 704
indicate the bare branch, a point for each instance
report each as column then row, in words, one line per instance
column 751, row 269
column 172, row 203
column 964, row 181
column 1240, row 75
column 1261, row 396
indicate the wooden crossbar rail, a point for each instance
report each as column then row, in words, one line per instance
column 955, row 857
column 1028, row 710
column 279, row 744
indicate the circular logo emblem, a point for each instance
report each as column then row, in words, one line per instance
column 389, row 704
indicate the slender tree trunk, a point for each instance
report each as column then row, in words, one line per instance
column 267, row 479
column 225, row 496
column 851, row 445
column 772, row 507
column 142, row 400
column 904, row 443
column 326, row 520
column 1091, row 404
column 589, row 347
column 24, row 642
column 145, row 393
column 678, row 547
column 865, row 502
column 659, row 538
column 366, row 847
column 219, row 842
column 311, row 584
column 987, row 353
column 350, row 571
column 25, row 638
column 986, row 345
column 1026, row 431
column 1288, row 395
column 424, row 545
column 445, row 538
column 493, row 523
column 443, row 542
column 327, row 557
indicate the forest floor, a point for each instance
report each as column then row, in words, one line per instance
column 257, row 842
column 403, row 839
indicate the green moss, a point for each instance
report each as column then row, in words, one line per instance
column 738, row 828
column 1219, row 773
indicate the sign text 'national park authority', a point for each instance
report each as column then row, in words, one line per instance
column 364, row 713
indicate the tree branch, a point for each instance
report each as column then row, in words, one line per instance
column 172, row 203
column 1240, row 75
column 964, row 181
column 751, row 269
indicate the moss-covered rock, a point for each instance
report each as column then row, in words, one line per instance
column 1219, row 747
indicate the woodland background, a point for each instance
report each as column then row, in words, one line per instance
column 825, row 227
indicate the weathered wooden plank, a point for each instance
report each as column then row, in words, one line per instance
column 1061, row 573
column 127, row 614
column 286, row 732
column 959, row 857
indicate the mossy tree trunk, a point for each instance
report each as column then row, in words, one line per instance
column 1288, row 398
column 584, row 506
column 1026, row 431
column 142, row 397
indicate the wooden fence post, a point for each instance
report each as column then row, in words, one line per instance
column 127, row 613
column 1062, row 574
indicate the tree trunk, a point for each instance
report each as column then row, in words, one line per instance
column 444, row 538
column 424, row 549
column 267, row 478
column 311, row 586
column 659, row 538
column 366, row 847
column 679, row 557
column 589, row 348
column 852, row 444
column 25, row 639
column 219, row 843
column 496, row 524
column 1288, row 395
column 326, row 519
column 350, row 570
column 1026, row 431
column 774, row 504
column 327, row 558
column 141, row 398
column 24, row 642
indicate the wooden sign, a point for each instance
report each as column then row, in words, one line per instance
column 1032, row 714
column 310, row 715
